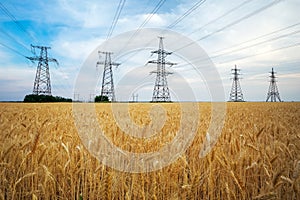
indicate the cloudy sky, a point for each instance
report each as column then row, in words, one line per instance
column 255, row 35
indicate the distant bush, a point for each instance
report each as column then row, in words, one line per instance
column 45, row 98
column 101, row 98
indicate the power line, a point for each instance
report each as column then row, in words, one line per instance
column 13, row 18
column 155, row 9
column 241, row 19
column 222, row 16
column 20, row 27
column 17, row 52
column 256, row 44
column 14, row 39
column 245, row 57
column 146, row 6
column 187, row 13
column 266, row 52
column 249, row 46
column 244, row 18
column 201, row 2
column 233, row 23
column 116, row 18
column 256, row 38
column 178, row 20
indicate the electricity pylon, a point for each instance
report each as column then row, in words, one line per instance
column 42, row 78
column 107, row 88
column 236, row 93
column 161, row 91
column 273, row 90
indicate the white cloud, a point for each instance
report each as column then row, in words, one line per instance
column 16, row 82
column 75, row 50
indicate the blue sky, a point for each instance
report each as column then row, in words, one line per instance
column 254, row 36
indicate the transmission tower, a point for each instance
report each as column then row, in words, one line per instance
column 236, row 94
column 107, row 88
column 135, row 97
column 273, row 90
column 42, row 78
column 161, row 90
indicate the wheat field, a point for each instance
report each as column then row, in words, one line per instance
column 257, row 155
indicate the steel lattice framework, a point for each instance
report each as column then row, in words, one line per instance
column 42, row 83
column 161, row 91
column 107, row 88
column 236, row 93
column 273, row 93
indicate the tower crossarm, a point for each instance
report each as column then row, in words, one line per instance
column 42, row 59
column 107, row 61
column 162, row 52
column 40, row 47
column 111, row 63
column 166, row 73
column 159, row 62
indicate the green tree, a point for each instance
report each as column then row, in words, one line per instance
column 101, row 98
column 45, row 98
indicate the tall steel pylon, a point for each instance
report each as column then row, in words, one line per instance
column 161, row 91
column 236, row 93
column 273, row 93
column 107, row 88
column 42, row 78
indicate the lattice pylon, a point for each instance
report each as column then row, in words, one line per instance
column 236, row 93
column 42, row 83
column 161, row 91
column 273, row 92
column 107, row 88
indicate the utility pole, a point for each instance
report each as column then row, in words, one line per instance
column 76, row 96
column 92, row 97
column 161, row 90
column 236, row 93
column 42, row 78
column 273, row 92
column 107, row 88
column 135, row 97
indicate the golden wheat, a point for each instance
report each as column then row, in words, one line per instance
column 256, row 157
